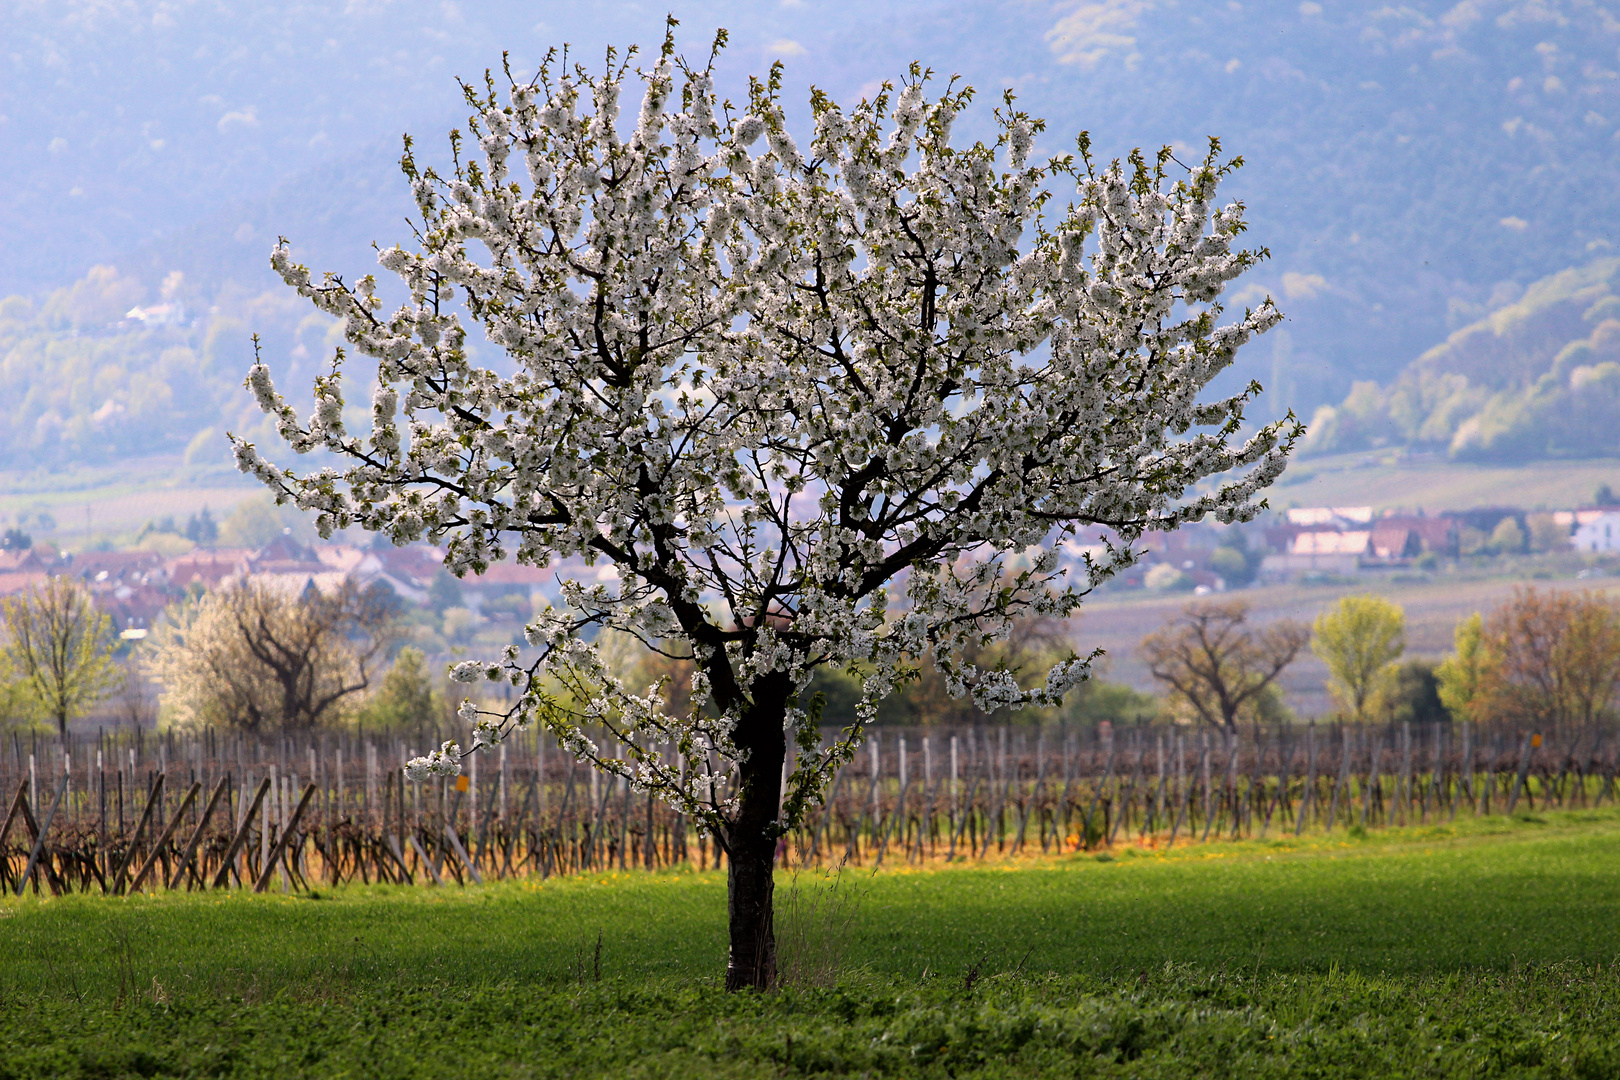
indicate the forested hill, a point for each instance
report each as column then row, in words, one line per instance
column 1539, row 378
column 81, row 382
column 1412, row 168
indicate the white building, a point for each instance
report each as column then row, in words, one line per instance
column 1599, row 533
column 1339, row 516
column 1322, row 551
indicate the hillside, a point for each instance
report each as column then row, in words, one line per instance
column 1412, row 168
column 84, row 382
column 1538, row 378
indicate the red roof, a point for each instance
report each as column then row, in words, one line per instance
column 413, row 565
column 26, row 559
column 15, row 582
column 207, row 567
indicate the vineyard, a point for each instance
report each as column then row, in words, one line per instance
column 132, row 811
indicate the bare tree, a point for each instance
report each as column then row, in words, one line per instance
column 61, row 647
column 1550, row 657
column 256, row 658
column 1215, row 660
column 133, row 697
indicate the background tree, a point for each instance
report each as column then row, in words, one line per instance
column 60, row 646
column 1546, row 534
column 1118, row 703
column 1508, row 538
column 1459, row 673
column 1552, row 657
column 1358, row 639
column 407, row 697
column 808, row 405
column 254, row 658
column 1411, row 693
column 1026, row 652
column 201, row 528
column 133, row 696
column 1234, row 560
column 1217, row 663
column 19, row 711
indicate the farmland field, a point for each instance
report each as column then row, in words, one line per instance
column 1390, row 479
column 1488, row 948
column 109, row 502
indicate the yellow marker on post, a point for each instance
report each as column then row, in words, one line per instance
column 461, row 781
column 1535, row 743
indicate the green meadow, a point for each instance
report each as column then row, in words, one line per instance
column 1488, row 948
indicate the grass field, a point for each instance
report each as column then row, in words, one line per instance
column 1488, row 948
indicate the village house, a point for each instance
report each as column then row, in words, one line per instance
column 1345, row 539
column 1599, row 532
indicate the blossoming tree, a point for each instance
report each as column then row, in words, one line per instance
column 833, row 407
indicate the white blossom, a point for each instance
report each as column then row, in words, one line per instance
column 831, row 406
column 445, row 761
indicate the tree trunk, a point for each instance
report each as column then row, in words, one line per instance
column 751, row 847
column 751, row 885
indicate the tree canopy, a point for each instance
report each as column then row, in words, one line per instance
column 1359, row 638
column 823, row 407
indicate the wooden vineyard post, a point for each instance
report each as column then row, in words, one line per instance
column 1342, row 782
column 958, row 813
column 1096, row 797
column 460, row 852
column 1026, row 803
column 1204, row 779
column 1403, row 787
column 1524, row 769
column 900, row 806
column 962, row 822
column 165, row 836
column 1608, row 778
column 1228, row 787
column 624, row 810
column 1437, row 774
column 287, row 832
column 1307, row 798
column 925, row 822
column 826, row 814
column 1181, row 783
column 423, row 860
column 1285, row 761
column 39, row 838
column 1465, row 765
column 1375, row 750
column 5, row 831
column 491, row 804
column 152, row 798
column 1130, row 793
column 1154, row 810
column 392, row 815
column 1060, row 832
column 999, row 812
column 223, row 878
column 196, row 834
